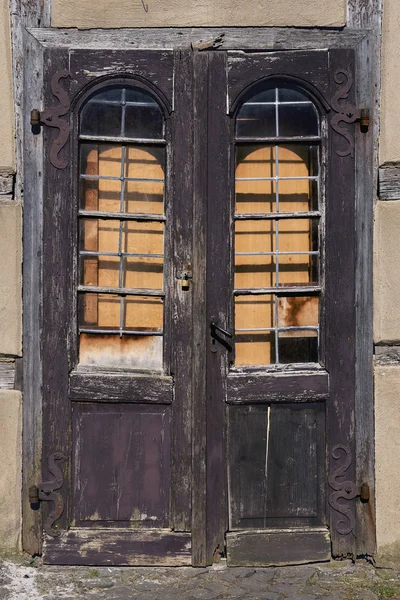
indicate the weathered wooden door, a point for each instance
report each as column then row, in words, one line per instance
column 280, row 306
column 117, row 317
column 198, row 302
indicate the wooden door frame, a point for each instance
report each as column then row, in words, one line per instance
column 36, row 42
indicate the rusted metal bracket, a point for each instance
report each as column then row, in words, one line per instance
column 347, row 112
column 52, row 118
column 47, row 491
column 345, row 490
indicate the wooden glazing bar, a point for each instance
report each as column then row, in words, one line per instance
column 121, row 178
column 276, row 178
column 124, row 254
column 279, row 140
column 310, row 253
column 121, row 291
column 92, row 214
column 118, row 331
column 279, row 291
column 277, row 215
column 121, row 140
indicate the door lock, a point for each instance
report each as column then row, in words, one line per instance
column 186, row 277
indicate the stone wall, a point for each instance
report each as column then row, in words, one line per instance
column 386, row 302
column 10, row 301
column 184, row 13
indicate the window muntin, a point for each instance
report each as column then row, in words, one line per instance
column 121, row 230
column 277, row 218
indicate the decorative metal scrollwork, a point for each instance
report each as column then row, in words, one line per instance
column 48, row 492
column 346, row 112
column 52, row 118
column 344, row 490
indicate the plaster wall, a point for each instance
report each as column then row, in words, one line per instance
column 191, row 13
column 386, row 272
column 10, row 472
column 7, row 160
column 10, row 277
column 390, row 106
column 386, row 302
column 387, row 449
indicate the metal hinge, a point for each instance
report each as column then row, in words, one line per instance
column 52, row 117
column 48, row 491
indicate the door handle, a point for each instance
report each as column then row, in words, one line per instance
column 215, row 327
column 215, row 331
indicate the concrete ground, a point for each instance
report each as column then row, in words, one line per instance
column 25, row 579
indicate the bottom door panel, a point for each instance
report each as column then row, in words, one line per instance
column 277, row 547
column 277, row 484
column 277, row 465
column 121, row 465
column 83, row 546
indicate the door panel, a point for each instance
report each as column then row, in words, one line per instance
column 122, row 465
column 116, row 402
column 279, row 286
column 276, row 465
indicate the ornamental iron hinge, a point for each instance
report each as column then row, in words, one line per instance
column 47, row 491
column 52, row 118
column 345, row 491
column 347, row 113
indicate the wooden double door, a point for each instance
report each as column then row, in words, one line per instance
column 198, row 302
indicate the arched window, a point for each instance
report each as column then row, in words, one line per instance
column 121, row 229
column 277, row 228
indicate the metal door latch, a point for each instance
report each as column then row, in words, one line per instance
column 215, row 330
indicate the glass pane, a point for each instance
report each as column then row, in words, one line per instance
column 100, row 271
column 277, row 112
column 145, row 273
column 276, row 178
column 99, row 311
column 257, row 116
column 291, row 95
column 100, row 184
column 297, row 311
column 300, row 119
column 99, row 235
column 121, row 313
column 276, row 252
column 140, row 169
column 121, row 238
column 143, row 237
column 254, row 316
column 127, row 352
column 102, row 114
column 146, row 193
column 296, row 238
column 122, row 112
column 144, row 118
column 298, row 349
column 144, row 313
column 297, row 344
column 252, row 269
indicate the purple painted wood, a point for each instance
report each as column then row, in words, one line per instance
column 340, row 312
column 264, row 387
column 218, row 299
column 121, row 464
column 123, row 547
